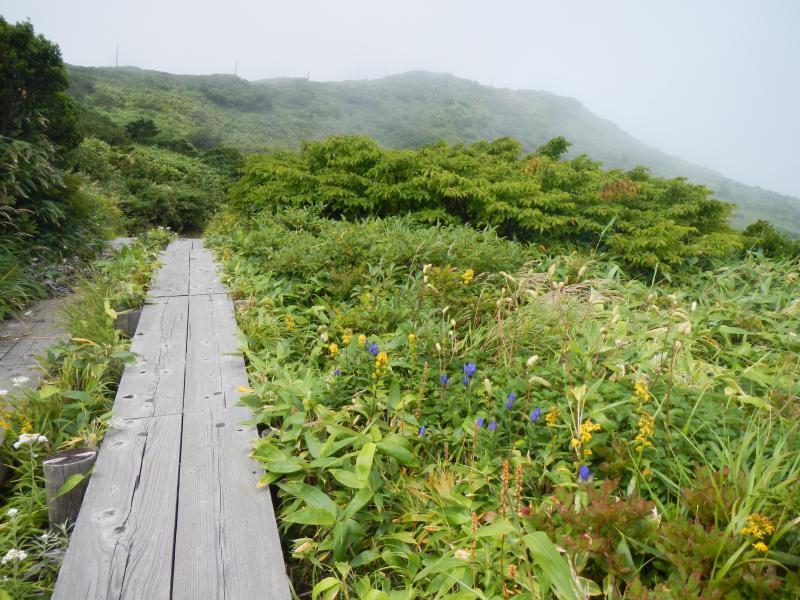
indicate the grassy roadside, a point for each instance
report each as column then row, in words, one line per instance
column 69, row 409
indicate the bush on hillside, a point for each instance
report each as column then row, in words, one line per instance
column 644, row 221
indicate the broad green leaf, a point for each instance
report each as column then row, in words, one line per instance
column 397, row 447
column 326, row 585
column 348, row 478
column 364, row 460
column 47, row 390
column 359, row 500
column 311, row 516
column 313, row 496
column 495, row 529
column 553, row 565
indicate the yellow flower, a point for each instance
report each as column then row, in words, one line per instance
column 758, row 526
column 362, row 339
column 412, row 339
column 467, row 276
column 641, row 392
column 587, row 429
column 646, row 429
column 243, row 389
column 347, row 336
column 333, row 349
column 27, row 425
column 289, row 321
column 551, row 418
column 381, row 364
column 761, row 546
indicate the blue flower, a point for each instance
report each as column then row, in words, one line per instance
column 535, row 414
column 337, row 371
column 584, row 473
column 480, row 421
column 373, row 349
column 422, row 431
column 512, row 397
column 466, row 380
column 469, row 369
column 492, row 425
column 444, row 379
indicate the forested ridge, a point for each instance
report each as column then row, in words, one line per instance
column 399, row 111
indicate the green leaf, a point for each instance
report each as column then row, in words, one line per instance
column 47, row 390
column 311, row 516
column 397, row 447
column 71, row 483
column 77, row 395
column 496, row 529
column 364, row 460
column 313, row 496
column 554, row 567
column 326, row 585
column 357, row 503
column 291, row 465
column 348, row 478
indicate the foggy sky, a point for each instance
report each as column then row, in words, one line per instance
column 716, row 82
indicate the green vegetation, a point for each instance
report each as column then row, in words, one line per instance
column 151, row 185
column 643, row 221
column 449, row 414
column 402, row 111
column 71, row 408
column 46, row 214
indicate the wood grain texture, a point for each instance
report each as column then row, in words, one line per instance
column 172, row 510
column 154, row 384
column 122, row 544
column 214, row 366
column 172, row 279
column 227, row 542
column 203, row 273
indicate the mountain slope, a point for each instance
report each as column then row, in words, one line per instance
column 406, row 110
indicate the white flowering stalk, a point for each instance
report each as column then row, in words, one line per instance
column 15, row 555
column 29, row 438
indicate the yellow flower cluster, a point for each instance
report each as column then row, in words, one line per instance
column 412, row 339
column 5, row 419
column 641, row 392
column 552, row 416
column 467, row 276
column 333, row 349
column 587, row 429
column 646, row 430
column 347, row 336
column 758, row 526
column 27, row 425
column 381, row 364
column 290, row 324
column 362, row 339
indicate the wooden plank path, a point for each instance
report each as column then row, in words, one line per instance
column 172, row 510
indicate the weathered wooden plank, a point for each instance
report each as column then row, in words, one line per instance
column 154, row 384
column 172, row 279
column 226, row 543
column 123, row 541
column 214, row 367
column 203, row 278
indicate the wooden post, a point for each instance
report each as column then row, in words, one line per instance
column 58, row 468
column 128, row 321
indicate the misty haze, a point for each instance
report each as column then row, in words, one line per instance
column 399, row 301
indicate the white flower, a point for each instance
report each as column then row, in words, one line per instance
column 694, row 306
column 462, row 554
column 656, row 516
column 19, row 380
column 12, row 512
column 15, row 554
column 323, row 336
column 532, row 361
column 44, row 537
column 3, row 393
column 29, row 438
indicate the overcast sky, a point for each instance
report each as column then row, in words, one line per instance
column 716, row 82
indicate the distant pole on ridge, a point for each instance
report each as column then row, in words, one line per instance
column 116, row 57
column 236, row 69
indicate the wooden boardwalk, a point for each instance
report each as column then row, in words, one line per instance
column 172, row 510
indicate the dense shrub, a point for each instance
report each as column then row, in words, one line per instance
column 152, row 185
column 644, row 221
